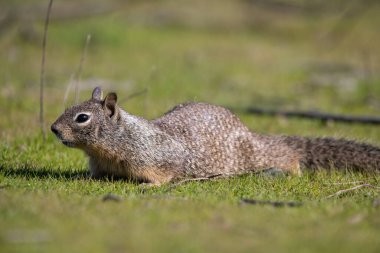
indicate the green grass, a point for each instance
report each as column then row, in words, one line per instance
column 271, row 59
column 48, row 204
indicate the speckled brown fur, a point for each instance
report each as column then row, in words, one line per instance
column 195, row 140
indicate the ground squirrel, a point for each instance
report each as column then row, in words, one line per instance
column 194, row 140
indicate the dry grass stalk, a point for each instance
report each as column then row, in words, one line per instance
column 338, row 193
column 80, row 67
column 42, row 74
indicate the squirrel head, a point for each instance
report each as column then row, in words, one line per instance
column 83, row 124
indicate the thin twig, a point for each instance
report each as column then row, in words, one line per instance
column 211, row 177
column 271, row 203
column 187, row 180
column 324, row 117
column 42, row 74
column 80, row 67
column 3, row 186
column 338, row 193
column 133, row 95
column 111, row 197
column 343, row 183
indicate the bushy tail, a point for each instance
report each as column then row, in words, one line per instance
column 330, row 153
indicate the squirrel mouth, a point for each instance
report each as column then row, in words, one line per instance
column 69, row 144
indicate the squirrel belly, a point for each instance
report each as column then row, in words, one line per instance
column 194, row 140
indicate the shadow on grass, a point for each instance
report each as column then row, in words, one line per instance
column 44, row 173
column 48, row 173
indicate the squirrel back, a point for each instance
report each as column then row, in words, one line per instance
column 194, row 140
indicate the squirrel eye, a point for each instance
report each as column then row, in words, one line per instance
column 81, row 118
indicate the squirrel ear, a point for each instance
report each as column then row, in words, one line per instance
column 110, row 104
column 97, row 93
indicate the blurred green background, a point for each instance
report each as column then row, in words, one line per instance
column 309, row 55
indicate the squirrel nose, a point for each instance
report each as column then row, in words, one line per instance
column 54, row 129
